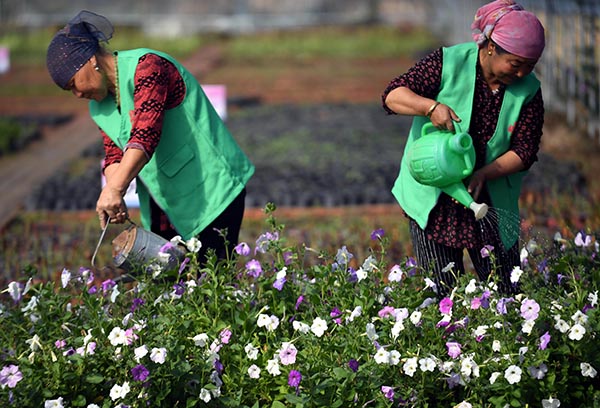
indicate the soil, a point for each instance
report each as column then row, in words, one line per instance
column 279, row 83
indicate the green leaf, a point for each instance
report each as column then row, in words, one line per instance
column 79, row 401
column 94, row 378
column 340, row 372
column 277, row 404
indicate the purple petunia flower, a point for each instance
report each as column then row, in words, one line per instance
column 453, row 380
column 108, row 285
column 353, row 364
column 278, row 284
column 299, row 302
column 136, row 303
column 486, row 251
column 183, row 265
column 501, row 305
column 530, row 309
column 253, row 268
column 377, row 234
column 411, row 266
column 388, row 392
column 242, row 249
column 10, row 376
column 446, row 305
column 454, row 349
column 179, row 288
column 544, row 340
column 294, row 379
column 218, row 367
column 140, row 373
column 335, row 312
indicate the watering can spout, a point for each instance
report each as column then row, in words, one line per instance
column 480, row 210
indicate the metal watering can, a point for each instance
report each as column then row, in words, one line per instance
column 443, row 159
column 135, row 247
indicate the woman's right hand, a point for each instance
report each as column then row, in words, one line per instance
column 111, row 207
column 443, row 117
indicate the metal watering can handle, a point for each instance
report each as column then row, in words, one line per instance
column 102, row 238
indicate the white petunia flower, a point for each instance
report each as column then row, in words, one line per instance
column 119, row 391
column 65, row 277
column 382, row 356
column 201, row 340
column 158, row 355
column 318, row 327
column 394, row 358
column 593, row 299
column 527, row 326
column 427, row 364
column 395, row 274
column 415, row 317
column 301, row 327
column 193, row 244
column 361, row 274
column 579, row 317
column 371, row 332
column 273, row 367
column 515, row 275
column 410, row 366
column 561, row 326
column 251, row 351
column 354, row 314
column 55, row 403
column 140, row 352
column 254, row 371
column 471, row 287
column 587, row 370
column 396, row 329
column 496, row 346
column 204, row 395
column 513, row 374
column 576, row 332
column 117, row 336
column 494, row 377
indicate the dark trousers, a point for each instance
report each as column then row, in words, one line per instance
column 226, row 227
column 435, row 257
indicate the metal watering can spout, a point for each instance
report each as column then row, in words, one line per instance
column 443, row 159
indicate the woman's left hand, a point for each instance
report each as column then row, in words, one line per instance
column 476, row 182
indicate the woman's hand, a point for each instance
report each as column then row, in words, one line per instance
column 476, row 183
column 111, row 207
column 443, row 117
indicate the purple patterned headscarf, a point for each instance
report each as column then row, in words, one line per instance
column 75, row 44
column 510, row 26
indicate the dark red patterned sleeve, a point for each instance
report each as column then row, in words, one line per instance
column 158, row 87
column 112, row 153
column 424, row 78
column 525, row 141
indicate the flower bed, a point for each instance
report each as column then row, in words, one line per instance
column 268, row 328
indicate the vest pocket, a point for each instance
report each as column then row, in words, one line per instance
column 173, row 164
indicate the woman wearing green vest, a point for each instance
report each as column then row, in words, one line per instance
column 489, row 88
column 158, row 127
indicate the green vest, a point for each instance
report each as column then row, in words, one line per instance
column 457, row 90
column 197, row 169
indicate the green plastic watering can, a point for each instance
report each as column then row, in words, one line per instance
column 443, row 159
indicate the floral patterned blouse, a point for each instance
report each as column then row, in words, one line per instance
column 450, row 223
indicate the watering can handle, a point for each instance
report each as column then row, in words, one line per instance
column 102, row 238
column 98, row 244
column 427, row 126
